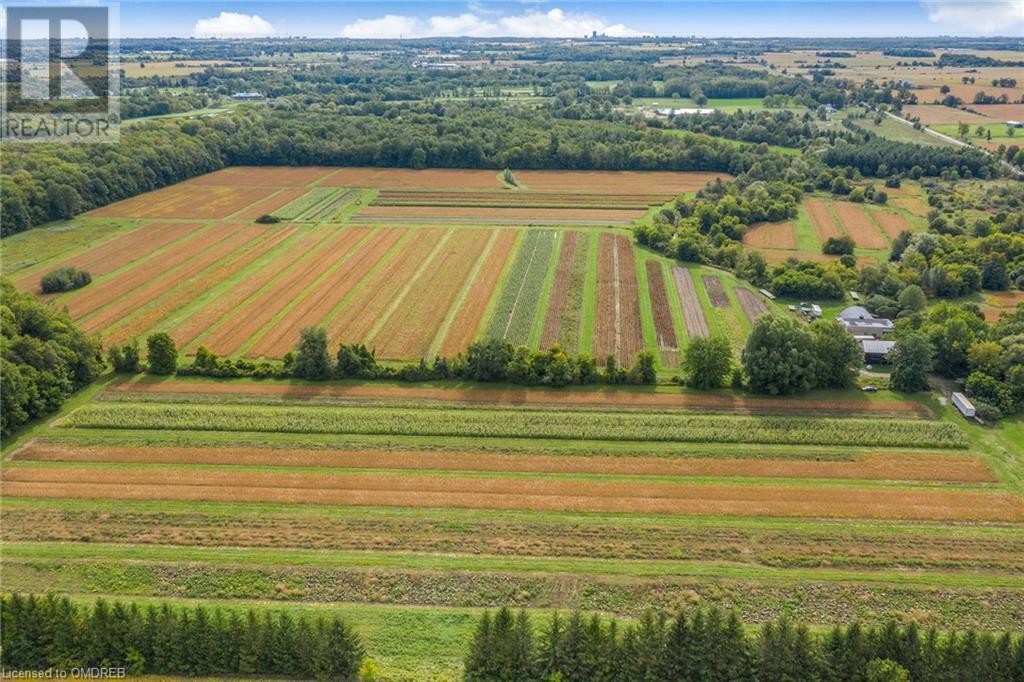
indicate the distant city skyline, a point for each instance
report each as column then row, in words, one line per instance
column 740, row 18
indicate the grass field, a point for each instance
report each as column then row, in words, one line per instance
column 406, row 509
column 394, row 258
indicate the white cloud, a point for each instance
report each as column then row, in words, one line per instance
column 554, row 23
column 233, row 25
column 984, row 16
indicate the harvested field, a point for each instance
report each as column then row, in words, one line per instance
column 1005, row 299
column 693, row 311
column 192, row 202
column 377, row 490
column 873, row 466
column 194, row 287
column 771, row 235
column 517, row 198
column 264, row 176
column 271, row 204
column 891, row 223
column 146, row 273
column 480, row 422
column 773, row 256
column 559, row 398
column 753, row 306
column 115, row 253
column 716, row 291
column 237, row 239
column 650, row 182
column 519, row 301
column 931, row 114
column 407, row 178
column 353, row 322
column 499, row 216
column 914, row 204
column 821, row 219
column 414, row 323
column 467, row 319
column 617, row 325
column 206, row 317
column 498, row 535
column 314, row 308
column 565, row 272
column 236, row 331
column 858, row 224
column 660, row 309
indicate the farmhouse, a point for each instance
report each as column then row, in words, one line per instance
column 876, row 352
column 859, row 322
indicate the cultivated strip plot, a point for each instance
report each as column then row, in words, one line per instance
column 716, row 292
column 190, row 290
column 559, row 299
column 467, row 319
column 313, row 309
column 83, row 301
column 242, row 326
column 238, row 236
column 354, row 321
column 412, row 326
column 693, row 312
column 517, row 198
column 668, row 182
column 662, row 313
column 631, row 340
column 116, row 253
column 496, row 216
column 753, row 306
column 821, row 219
column 892, row 224
column 859, row 225
column 520, row 296
column 264, row 176
column 408, row 178
column 617, row 325
column 269, row 205
column 771, row 236
column 482, row 492
column 319, row 203
column 188, row 201
column 208, row 316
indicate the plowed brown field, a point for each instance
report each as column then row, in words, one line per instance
column 270, row 204
column 193, row 202
column 507, row 493
column 892, row 223
column 116, row 253
column 771, row 235
column 660, row 309
column 194, row 287
column 264, row 176
column 596, row 398
column 693, row 311
column 560, row 289
column 874, row 466
column 354, row 321
column 312, row 310
column 486, row 214
column 407, row 178
column 410, row 330
column 821, row 219
column 467, row 320
column 650, row 182
column 235, row 238
column 250, row 318
column 617, row 327
column 207, row 317
column 716, row 291
column 753, row 307
column 859, row 225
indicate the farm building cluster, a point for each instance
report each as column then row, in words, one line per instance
column 868, row 330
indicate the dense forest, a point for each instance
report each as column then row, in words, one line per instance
column 712, row 646
column 44, row 357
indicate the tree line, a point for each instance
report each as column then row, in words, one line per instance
column 710, row 646
column 53, row 633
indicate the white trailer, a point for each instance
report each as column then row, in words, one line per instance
column 963, row 404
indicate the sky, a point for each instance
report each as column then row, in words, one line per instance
column 552, row 18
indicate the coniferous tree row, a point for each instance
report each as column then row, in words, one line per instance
column 40, row 633
column 709, row 645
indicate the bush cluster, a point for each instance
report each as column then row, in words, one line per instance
column 64, row 279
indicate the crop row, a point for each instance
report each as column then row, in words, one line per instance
column 318, row 203
column 520, row 296
column 519, row 424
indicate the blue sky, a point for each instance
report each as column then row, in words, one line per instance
column 846, row 18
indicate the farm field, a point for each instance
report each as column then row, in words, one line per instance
column 394, row 258
column 393, row 497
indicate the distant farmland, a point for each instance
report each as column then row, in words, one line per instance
column 412, row 263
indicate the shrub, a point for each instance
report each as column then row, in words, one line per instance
column 125, row 359
column 989, row 414
column 266, row 219
column 838, row 246
column 64, row 279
